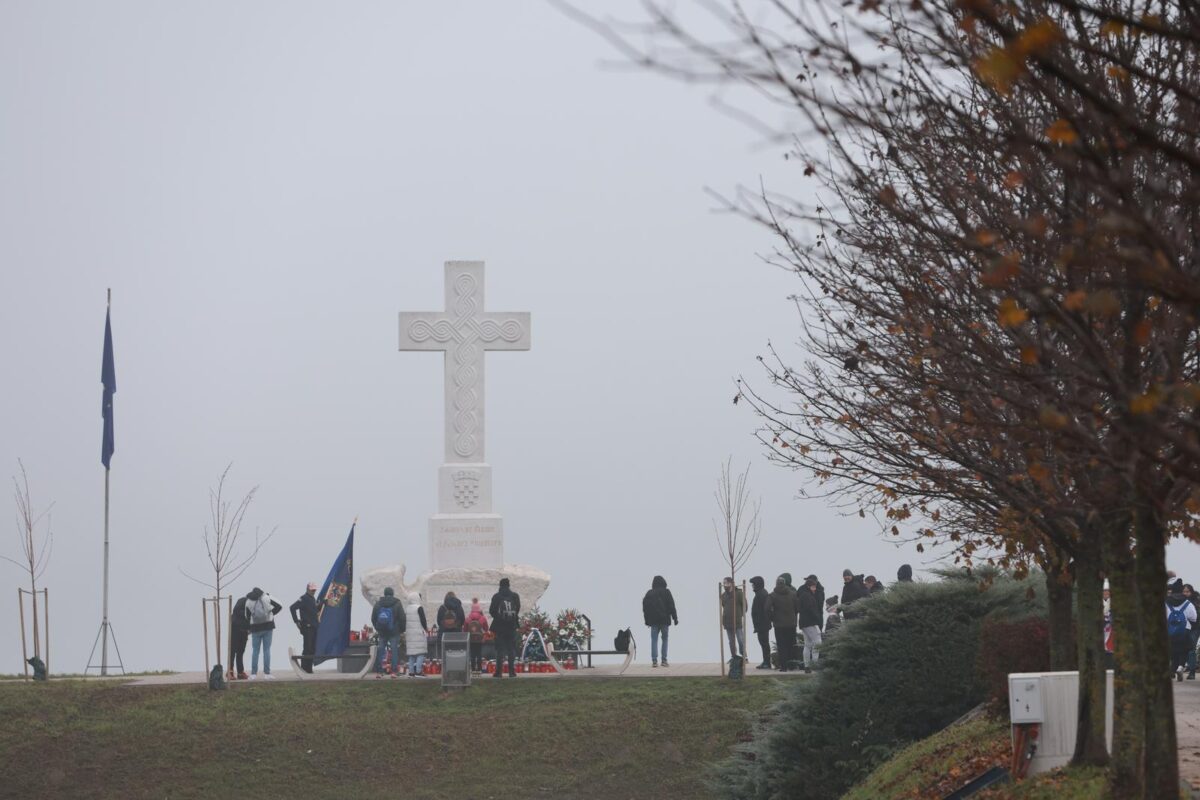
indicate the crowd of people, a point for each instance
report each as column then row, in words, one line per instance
column 788, row 612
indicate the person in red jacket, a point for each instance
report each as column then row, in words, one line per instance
column 476, row 625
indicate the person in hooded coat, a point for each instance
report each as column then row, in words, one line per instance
column 390, row 626
column 733, row 613
column 820, row 594
column 808, row 612
column 262, row 610
column 904, row 574
column 781, row 610
column 239, row 635
column 476, row 625
column 505, row 610
column 658, row 611
column 760, row 621
column 450, row 618
column 416, row 634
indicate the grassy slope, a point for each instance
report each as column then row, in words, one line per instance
column 936, row 766
column 606, row 738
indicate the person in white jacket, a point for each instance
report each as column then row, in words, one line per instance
column 415, row 632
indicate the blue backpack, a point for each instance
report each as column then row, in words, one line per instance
column 385, row 620
column 1177, row 620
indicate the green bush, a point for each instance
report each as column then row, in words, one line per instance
column 903, row 669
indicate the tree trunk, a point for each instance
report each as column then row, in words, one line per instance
column 1091, row 748
column 1060, row 619
column 1162, row 757
column 1127, row 772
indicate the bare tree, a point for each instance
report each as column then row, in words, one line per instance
column 35, row 547
column 222, row 538
column 740, row 523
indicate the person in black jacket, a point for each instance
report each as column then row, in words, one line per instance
column 305, row 614
column 820, row 595
column 809, row 616
column 873, row 585
column 852, row 589
column 781, row 610
column 760, row 621
column 505, row 611
column 239, row 635
column 262, row 610
column 658, row 610
column 904, row 574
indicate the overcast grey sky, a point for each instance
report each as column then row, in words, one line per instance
column 264, row 186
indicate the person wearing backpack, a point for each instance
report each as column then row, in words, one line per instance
column 388, row 618
column 450, row 616
column 505, row 611
column 239, row 635
column 658, row 610
column 262, row 610
column 476, row 626
column 1181, row 615
column 416, row 634
column 306, row 614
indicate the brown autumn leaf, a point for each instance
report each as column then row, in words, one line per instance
column 1013, row 179
column 1142, row 331
column 887, row 196
column 1011, row 315
column 1000, row 69
column 1117, row 73
column 1074, row 300
column 985, row 237
column 1051, row 417
column 1146, row 402
column 1037, row 38
column 1062, row 132
column 1103, row 303
column 1029, row 355
column 1112, row 28
column 1003, row 270
column 1038, row 471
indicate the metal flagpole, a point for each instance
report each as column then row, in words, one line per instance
column 105, row 628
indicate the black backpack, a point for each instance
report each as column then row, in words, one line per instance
column 621, row 643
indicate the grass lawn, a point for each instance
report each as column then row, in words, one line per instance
column 625, row 738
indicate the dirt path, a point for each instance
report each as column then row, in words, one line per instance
column 1187, row 726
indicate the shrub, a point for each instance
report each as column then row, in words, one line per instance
column 1005, row 646
column 901, row 670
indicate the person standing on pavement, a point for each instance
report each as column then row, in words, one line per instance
column 505, row 610
column 808, row 604
column 760, row 621
column 239, row 635
column 416, row 635
column 733, row 618
column 781, row 610
column 305, row 613
column 658, row 611
column 389, row 620
column 262, row 610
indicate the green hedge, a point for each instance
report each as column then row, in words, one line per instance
column 905, row 668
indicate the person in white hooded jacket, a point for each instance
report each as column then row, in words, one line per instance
column 415, row 632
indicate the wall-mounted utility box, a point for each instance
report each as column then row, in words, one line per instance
column 1025, row 698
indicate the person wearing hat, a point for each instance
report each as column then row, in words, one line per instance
column 305, row 614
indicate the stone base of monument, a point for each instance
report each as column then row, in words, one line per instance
column 466, row 582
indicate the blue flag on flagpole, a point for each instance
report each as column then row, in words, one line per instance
column 333, row 634
column 108, row 377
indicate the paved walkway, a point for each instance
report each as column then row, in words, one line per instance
column 1187, row 727
column 709, row 670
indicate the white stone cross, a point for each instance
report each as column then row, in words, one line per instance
column 464, row 331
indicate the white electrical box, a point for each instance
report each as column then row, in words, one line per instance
column 1025, row 699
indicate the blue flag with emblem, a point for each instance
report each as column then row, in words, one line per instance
column 108, row 377
column 333, row 603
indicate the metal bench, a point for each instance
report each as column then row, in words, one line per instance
column 295, row 660
column 629, row 654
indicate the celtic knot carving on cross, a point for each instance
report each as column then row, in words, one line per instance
column 464, row 332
